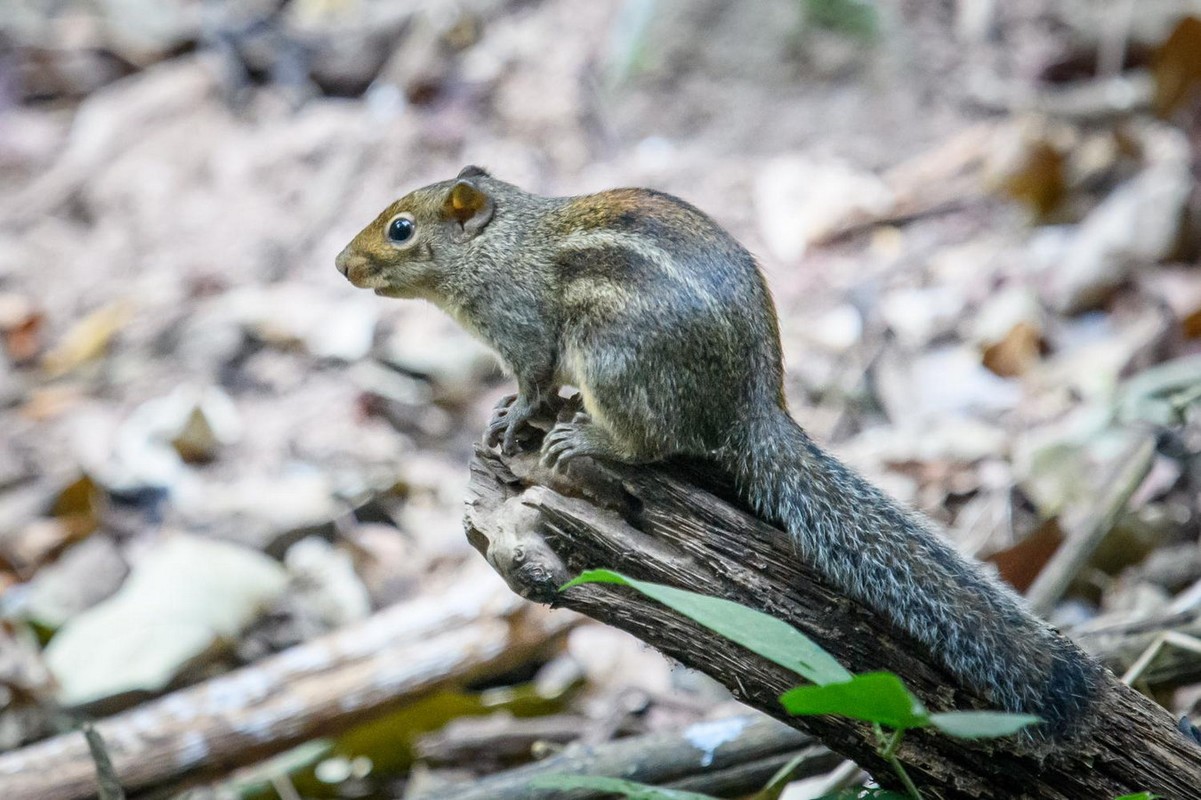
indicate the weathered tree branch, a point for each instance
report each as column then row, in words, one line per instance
column 538, row 530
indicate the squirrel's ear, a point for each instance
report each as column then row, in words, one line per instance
column 469, row 206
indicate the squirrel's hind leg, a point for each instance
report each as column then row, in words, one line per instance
column 581, row 437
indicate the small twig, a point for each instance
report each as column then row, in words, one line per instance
column 1128, row 473
column 1122, row 640
column 1097, row 100
column 107, row 785
column 284, row 788
column 1140, row 665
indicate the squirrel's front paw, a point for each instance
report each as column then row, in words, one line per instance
column 509, row 416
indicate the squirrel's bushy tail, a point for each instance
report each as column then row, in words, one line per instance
column 890, row 560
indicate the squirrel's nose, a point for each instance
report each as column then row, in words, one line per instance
column 345, row 260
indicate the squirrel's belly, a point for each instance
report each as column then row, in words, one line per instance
column 567, row 369
column 571, row 371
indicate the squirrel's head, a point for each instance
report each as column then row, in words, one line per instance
column 421, row 237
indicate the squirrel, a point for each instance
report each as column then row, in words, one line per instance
column 665, row 324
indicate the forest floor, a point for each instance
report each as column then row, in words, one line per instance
column 980, row 227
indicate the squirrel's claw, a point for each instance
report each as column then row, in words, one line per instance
column 512, row 413
column 499, row 421
column 567, row 441
column 508, row 417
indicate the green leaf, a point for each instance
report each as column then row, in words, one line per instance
column 630, row 789
column 1138, row 796
column 760, row 633
column 872, row 697
column 981, row 724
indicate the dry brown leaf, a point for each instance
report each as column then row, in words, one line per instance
column 1016, row 352
column 20, row 327
column 1039, row 180
column 1019, row 565
column 1191, row 325
column 1132, row 539
column 87, row 339
column 196, row 442
column 78, row 507
column 1176, row 67
column 23, row 341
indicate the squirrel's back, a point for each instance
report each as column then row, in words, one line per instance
column 667, row 324
column 688, row 243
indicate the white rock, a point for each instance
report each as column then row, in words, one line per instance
column 799, row 199
column 998, row 314
column 917, row 316
column 261, row 510
column 428, row 343
column 184, row 597
column 836, row 330
column 144, row 449
column 347, row 330
column 962, row 440
column 83, row 576
column 943, row 382
column 328, row 588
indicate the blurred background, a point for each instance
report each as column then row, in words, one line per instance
column 980, row 221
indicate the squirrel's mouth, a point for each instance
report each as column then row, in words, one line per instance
column 364, row 276
column 357, row 269
column 363, row 273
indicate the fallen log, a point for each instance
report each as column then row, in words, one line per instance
column 671, row 525
column 470, row 629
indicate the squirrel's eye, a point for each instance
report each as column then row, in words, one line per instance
column 400, row 230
